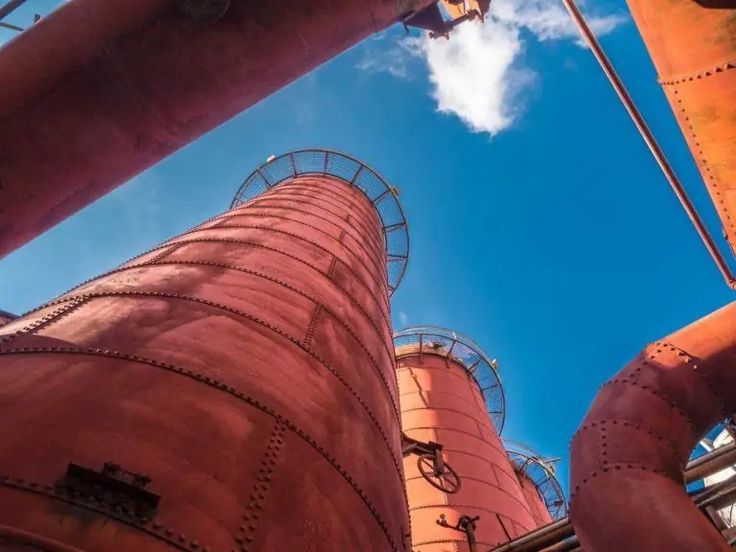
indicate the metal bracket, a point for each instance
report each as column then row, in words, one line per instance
column 431, row 19
column 465, row 524
column 431, row 464
column 119, row 488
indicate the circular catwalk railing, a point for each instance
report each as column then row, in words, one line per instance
column 457, row 347
column 322, row 162
column 541, row 472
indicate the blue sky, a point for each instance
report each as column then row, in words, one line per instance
column 549, row 237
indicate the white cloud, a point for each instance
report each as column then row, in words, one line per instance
column 473, row 74
column 548, row 19
column 479, row 73
column 394, row 60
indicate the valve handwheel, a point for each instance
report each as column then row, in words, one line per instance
column 446, row 480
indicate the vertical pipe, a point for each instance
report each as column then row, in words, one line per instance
column 443, row 403
column 692, row 45
column 245, row 367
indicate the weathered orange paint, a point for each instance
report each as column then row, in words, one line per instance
column 441, row 403
column 693, row 47
column 246, row 366
column 534, row 500
column 628, row 457
column 99, row 90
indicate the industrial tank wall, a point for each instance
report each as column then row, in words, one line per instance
column 246, row 367
column 534, row 500
column 441, row 403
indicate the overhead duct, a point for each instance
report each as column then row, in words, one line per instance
column 99, row 90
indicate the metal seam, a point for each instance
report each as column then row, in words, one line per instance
column 300, row 190
column 301, row 238
column 262, row 486
column 374, row 247
column 327, row 183
column 628, row 424
column 726, row 218
column 618, row 466
column 260, row 203
column 298, row 198
column 331, row 269
column 145, row 525
column 453, row 541
column 652, row 391
column 703, row 375
column 127, row 264
column 312, row 326
column 697, row 75
column 521, row 503
column 502, row 452
column 446, row 409
column 310, row 185
column 237, row 312
column 445, row 428
column 342, row 323
column 382, row 269
column 166, row 251
column 44, row 321
column 464, row 376
column 249, row 213
column 368, row 251
column 423, row 392
column 342, row 206
column 217, row 384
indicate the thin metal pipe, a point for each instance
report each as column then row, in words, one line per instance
column 11, row 27
column 711, row 463
column 554, row 533
column 651, row 142
column 9, row 7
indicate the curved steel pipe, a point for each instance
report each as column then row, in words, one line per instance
column 628, row 457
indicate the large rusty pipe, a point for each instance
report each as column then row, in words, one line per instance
column 102, row 89
column 628, row 457
column 693, row 46
column 651, row 143
column 553, row 534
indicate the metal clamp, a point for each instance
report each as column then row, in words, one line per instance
column 465, row 524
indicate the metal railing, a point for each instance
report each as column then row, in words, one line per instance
column 323, row 162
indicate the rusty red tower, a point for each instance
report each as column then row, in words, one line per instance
column 539, row 484
column 233, row 388
column 452, row 410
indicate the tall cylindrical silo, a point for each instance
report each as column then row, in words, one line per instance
column 539, row 484
column 231, row 389
column 451, row 396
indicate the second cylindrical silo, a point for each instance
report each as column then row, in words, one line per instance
column 539, row 484
column 450, row 396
